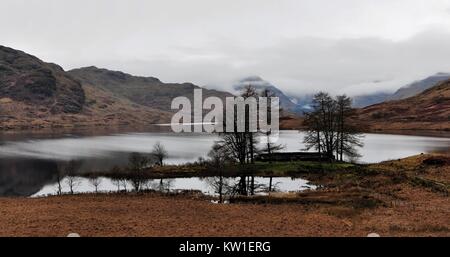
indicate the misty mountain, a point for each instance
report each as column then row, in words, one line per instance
column 361, row 101
column 404, row 92
column 429, row 109
column 287, row 103
column 419, row 86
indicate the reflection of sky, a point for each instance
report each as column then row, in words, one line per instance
column 188, row 147
column 379, row 147
column 283, row 184
column 181, row 148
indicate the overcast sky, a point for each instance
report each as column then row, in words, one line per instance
column 342, row 46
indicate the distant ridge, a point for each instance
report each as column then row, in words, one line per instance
column 146, row 91
column 419, row 86
column 429, row 110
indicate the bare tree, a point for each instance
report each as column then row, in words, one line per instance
column 137, row 164
column 59, row 178
column 95, row 182
column 247, row 92
column 241, row 145
column 235, row 144
column 270, row 146
column 72, row 180
column 312, row 137
column 124, row 184
column 72, row 183
column 328, row 129
column 218, row 158
column 348, row 136
column 116, row 182
column 160, row 153
column 58, row 185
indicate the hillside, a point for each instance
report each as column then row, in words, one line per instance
column 429, row 110
column 35, row 94
column 404, row 92
column 45, row 86
column 146, row 91
column 419, row 86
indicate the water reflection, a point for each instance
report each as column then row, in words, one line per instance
column 228, row 187
column 24, row 177
column 29, row 165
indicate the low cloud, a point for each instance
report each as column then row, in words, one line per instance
column 301, row 46
column 304, row 65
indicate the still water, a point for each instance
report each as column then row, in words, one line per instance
column 28, row 165
column 204, row 185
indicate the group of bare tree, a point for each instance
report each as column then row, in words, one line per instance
column 139, row 163
column 219, row 156
column 329, row 132
column 242, row 146
column 328, row 129
column 68, row 173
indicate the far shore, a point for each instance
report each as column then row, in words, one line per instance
column 107, row 130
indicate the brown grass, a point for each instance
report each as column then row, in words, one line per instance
column 382, row 199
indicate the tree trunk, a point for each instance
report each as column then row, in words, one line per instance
column 242, row 186
column 270, row 184
column 318, row 142
column 252, row 186
column 220, row 189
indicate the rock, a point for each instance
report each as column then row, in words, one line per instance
column 373, row 235
column 73, row 235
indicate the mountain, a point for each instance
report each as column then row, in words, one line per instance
column 287, row 103
column 45, row 87
column 146, row 91
column 35, row 94
column 419, row 86
column 361, row 101
column 429, row 110
column 402, row 93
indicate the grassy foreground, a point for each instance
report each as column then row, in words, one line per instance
column 407, row 197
